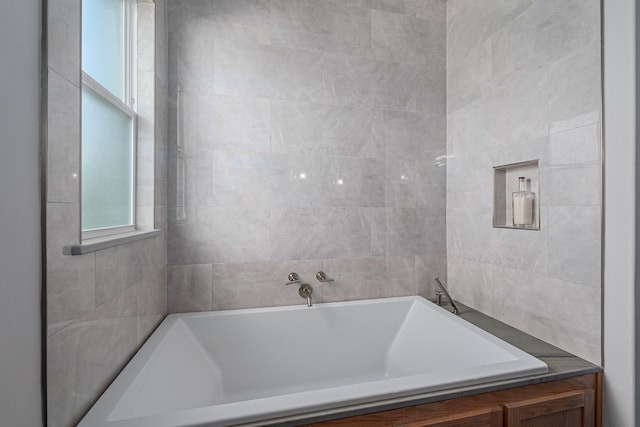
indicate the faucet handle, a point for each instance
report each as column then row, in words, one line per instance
column 293, row 278
column 322, row 277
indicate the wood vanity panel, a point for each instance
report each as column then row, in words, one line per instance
column 563, row 403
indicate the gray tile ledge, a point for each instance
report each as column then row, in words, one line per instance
column 97, row 244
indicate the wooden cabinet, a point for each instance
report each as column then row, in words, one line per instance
column 572, row 402
column 569, row 409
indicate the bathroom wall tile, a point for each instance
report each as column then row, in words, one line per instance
column 543, row 34
column 431, row 188
column 575, row 146
column 145, row 171
column 397, row 87
column 322, row 26
column 472, row 75
column 400, row 183
column 189, row 288
column 266, row 71
column 191, row 53
column 63, row 38
column 324, row 129
column 571, row 185
column 307, row 233
column 396, row 6
column 471, row 23
column 151, row 302
column 70, row 279
column 377, row 220
column 121, row 267
column 264, row 180
column 145, row 36
column 84, row 356
column 415, row 232
column 575, row 89
column 433, row 10
column 400, row 38
column 577, row 330
column 240, row 20
column 349, row 181
column 208, row 234
column 63, row 140
column 574, row 244
column 348, row 80
column 411, row 136
column 366, row 278
column 427, row 268
column 262, row 284
column 239, row 124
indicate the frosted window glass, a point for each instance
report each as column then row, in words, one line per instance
column 107, row 158
column 103, row 43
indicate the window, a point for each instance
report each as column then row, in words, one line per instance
column 109, row 118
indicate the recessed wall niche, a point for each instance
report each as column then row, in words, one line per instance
column 516, row 196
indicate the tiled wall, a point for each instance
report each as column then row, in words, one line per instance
column 100, row 306
column 305, row 135
column 523, row 83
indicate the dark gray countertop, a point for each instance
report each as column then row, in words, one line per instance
column 561, row 365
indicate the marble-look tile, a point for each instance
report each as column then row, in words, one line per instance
column 207, row 122
column 307, row 233
column 191, row 53
column 239, row 20
column 365, row 278
column 322, row 26
column 574, row 244
column 63, row 38
column 262, row 284
column 145, row 104
column 84, row 357
column 575, row 146
column 434, row 10
column 471, row 23
column 63, row 140
column 396, row 6
column 377, row 220
column 401, row 183
column 151, row 301
column 263, row 180
column 581, row 185
column 298, row 127
column 189, row 288
column 398, row 87
column 348, row 80
column 415, row 232
column 526, row 303
column 219, row 234
column 239, row 124
column 575, row 83
column 398, row 38
column 121, row 267
column 145, row 36
column 469, row 77
column 427, row 268
column 145, row 171
column 543, row 34
column 413, row 136
column 70, row 279
column 349, row 181
column 267, row 71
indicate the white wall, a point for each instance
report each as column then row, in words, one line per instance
column 20, row 403
column 620, row 209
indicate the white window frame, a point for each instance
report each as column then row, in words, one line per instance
column 128, row 107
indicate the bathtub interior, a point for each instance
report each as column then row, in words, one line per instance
column 236, row 356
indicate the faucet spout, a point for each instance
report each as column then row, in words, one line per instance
column 443, row 289
column 305, row 292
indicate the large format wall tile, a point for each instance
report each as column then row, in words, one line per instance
column 523, row 83
column 295, row 125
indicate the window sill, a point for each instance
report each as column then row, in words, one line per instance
column 99, row 243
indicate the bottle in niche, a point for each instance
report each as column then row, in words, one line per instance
column 522, row 205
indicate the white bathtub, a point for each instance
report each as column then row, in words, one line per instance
column 238, row 366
